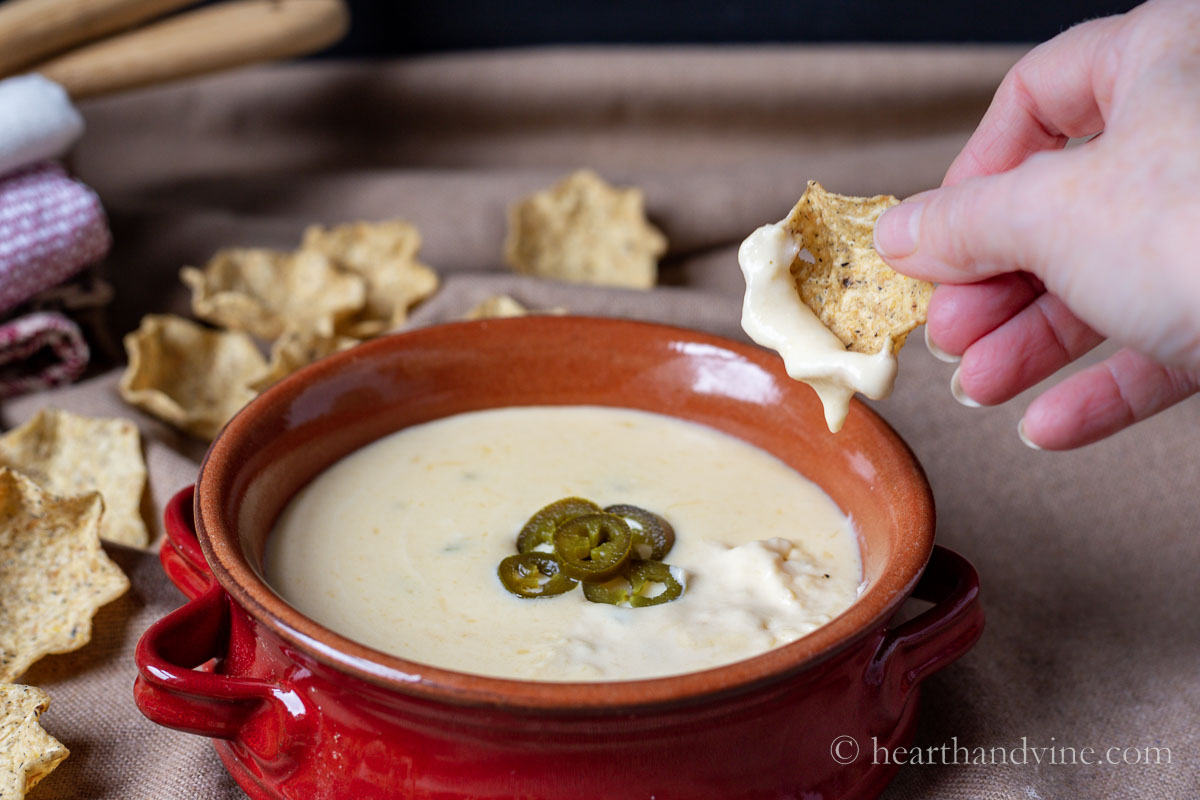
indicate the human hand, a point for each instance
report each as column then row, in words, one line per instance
column 1042, row 252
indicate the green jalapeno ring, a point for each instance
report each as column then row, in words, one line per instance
column 594, row 547
column 539, row 530
column 643, row 573
column 614, row 591
column 652, row 534
column 626, row 590
column 532, row 575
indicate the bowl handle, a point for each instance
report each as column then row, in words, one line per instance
column 175, row 686
column 181, row 556
column 914, row 650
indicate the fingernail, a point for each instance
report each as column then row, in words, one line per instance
column 1025, row 439
column 956, row 389
column 897, row 230
column 937, row 352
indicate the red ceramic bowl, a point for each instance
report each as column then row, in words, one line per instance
column 300, row 712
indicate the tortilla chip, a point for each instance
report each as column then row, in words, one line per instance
column 53, row 573
column 67, row 454
column 190, row 376
column 585, row 231
column 296, row 349
column 849, row 287
column 385, row 255
column 27, row 753
column 265, row 292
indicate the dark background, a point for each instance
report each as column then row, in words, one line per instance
column 385, row 27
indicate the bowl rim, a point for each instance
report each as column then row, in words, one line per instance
column 248, row 590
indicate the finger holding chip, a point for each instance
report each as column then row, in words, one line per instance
column 819, row 294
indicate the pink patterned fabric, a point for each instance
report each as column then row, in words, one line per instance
column 39, row 351
column 51, row 227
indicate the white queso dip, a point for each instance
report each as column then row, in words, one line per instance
column 774, row 316
column 397, row 545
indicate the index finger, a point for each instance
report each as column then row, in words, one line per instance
column 1060, row 89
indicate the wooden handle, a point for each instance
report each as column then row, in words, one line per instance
column 32, row 30
column 206, row 40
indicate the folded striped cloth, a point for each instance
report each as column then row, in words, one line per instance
column 51, row 228
column 40, row 351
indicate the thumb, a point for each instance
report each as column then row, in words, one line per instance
column 981, row 227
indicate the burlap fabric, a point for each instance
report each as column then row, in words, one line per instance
column 1088, row 559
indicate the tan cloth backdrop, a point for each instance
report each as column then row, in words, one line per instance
column 1088, row 559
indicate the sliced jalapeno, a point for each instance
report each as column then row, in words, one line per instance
column 593, row 547
column 632, row 589
column 534, row 575
column 540, row 528
column 653, row 536
column 615, row 591
column 646, row 575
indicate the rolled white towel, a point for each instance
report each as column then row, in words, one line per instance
column 37, row 121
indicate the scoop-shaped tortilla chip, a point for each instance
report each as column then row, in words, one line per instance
column 296, row 349
column 190, row 376
column 847, row 285
column 68, row 454
column 53, row 573
column 265, row 292
column 385, row 255
column 585, row 231
column 27, row 753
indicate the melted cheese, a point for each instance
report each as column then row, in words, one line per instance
column 774, row 316
column 397, row 545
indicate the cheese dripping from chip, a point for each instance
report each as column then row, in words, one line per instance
column 794, row 304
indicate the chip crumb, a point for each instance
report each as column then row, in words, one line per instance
column 265, row 292
column 53, row 573
column 503, row 306
column 584, row 230
column 68, row 454
column 193, row 377
column 27, row 752
column 850, row 288
column 496, row 306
